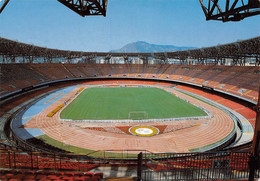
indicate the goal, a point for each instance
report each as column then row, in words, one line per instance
column 137, row 115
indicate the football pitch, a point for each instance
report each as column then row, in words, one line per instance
column 128, row 103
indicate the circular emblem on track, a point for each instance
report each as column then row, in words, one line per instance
column 144, row 130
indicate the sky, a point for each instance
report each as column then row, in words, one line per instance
column 49, row 23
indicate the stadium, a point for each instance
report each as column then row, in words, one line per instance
column 181, row 115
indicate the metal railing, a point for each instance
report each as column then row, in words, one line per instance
column 14, row 159
column 197, row 166
column 38, row 161
column 151, row 166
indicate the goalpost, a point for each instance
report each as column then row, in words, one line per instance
column 137, row 115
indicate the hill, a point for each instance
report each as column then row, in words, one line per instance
column 144, row 47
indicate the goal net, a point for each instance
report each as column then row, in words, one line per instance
column 135, row 115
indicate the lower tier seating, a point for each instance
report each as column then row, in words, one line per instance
column 26, row 175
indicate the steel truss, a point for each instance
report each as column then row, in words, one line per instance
column 4, row 5
column 82, row 7
column 230, row 10
column 86, row 7
column 236, row 52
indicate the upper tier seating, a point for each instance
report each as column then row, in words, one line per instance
column 243, row 81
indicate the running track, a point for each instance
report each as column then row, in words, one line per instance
column 207, row 132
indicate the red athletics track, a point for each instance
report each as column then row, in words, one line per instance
column 206, row 132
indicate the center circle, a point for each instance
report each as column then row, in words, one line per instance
column 144, row 131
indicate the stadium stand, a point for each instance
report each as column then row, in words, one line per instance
column 16, row 175
column 238, row 107
column 47, row 163
column 232, row 86
column 235, row 79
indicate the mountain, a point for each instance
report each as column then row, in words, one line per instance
column 144, row 47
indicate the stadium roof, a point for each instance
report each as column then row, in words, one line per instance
column 245, row 48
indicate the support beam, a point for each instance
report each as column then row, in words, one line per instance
column 256, row 141
column 4, row 5
column 86, row 7
column 107, row 59
column 223, row 12
column 254, row 162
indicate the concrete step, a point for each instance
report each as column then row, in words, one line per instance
column 121, row 179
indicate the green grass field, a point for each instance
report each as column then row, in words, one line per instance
column 117, row 102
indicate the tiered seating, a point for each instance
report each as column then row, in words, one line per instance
column 231, row 104
column 131, row 70
column 233, row 79
column 238, row 80
column 38, row 161
column 180, row 72
column 220, row 73
column 187, row 73
column 75, row 69
column 247, row 113
column 213, row 97
column 121, row 69
column 17, row 76
column 252, row 122
column 113, row 70
column 237, row 159
column 161, row 70
column 170, row 72
column 234, row 160
column 104, row 69
column 149, row 82
column 19, row 175
column 152, row 71
column 54, row 71
column 165, row 84
column 44, row 166
column 242, row 109
column 88, row 70
column 136, row 82
column 123, row 81
column 110, row 81
column 201, row 74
